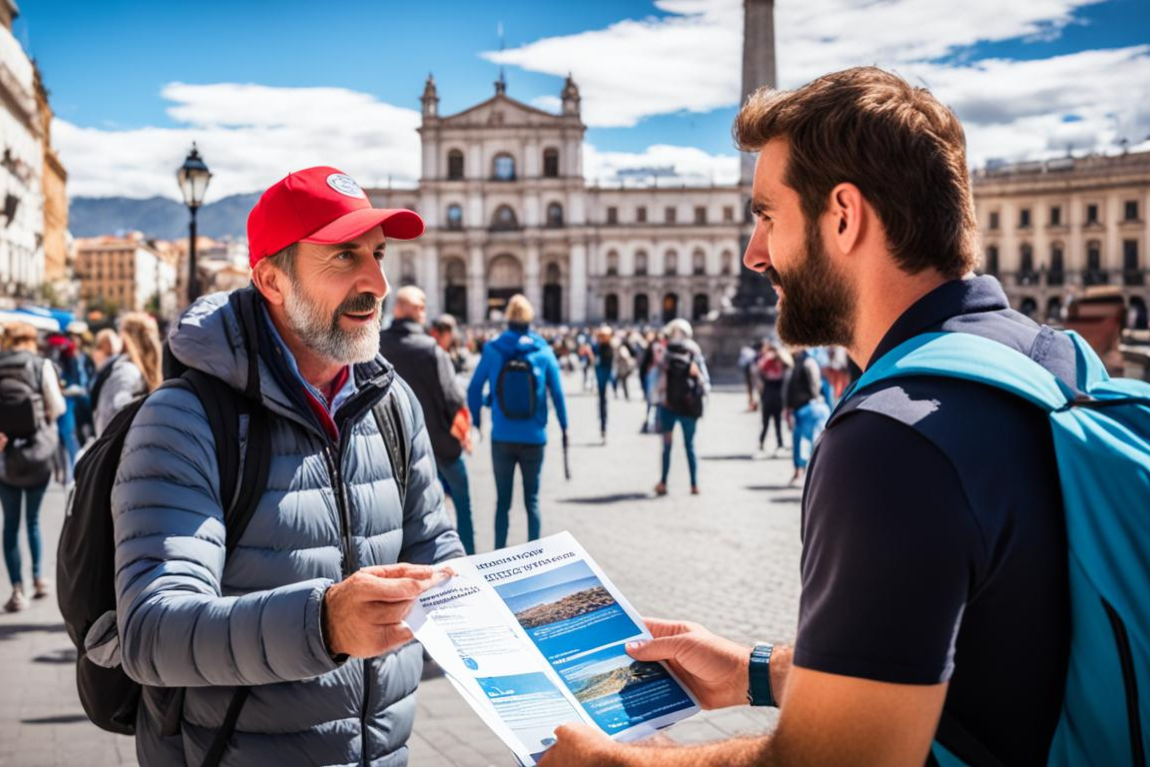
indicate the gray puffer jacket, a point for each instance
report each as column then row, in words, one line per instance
column 189, row 619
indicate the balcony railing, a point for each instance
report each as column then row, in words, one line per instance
column 1133, row 277
column 1095, row 277
column 1056, row 278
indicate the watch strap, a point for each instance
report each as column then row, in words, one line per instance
column 759, row 691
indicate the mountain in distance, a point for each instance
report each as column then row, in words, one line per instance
column 159, row 218
column 617, row 680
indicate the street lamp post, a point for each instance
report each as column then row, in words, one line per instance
column 193, row 176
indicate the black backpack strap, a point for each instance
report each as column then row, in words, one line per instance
column 224, row 734
column 962, row 744
column 389, row 418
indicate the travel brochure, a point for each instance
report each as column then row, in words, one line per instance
column 533, row 637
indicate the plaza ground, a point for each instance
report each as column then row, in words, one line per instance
column 728, row 558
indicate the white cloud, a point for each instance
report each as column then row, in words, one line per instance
column 250, row 136
column 689, row 165
column 691, row 61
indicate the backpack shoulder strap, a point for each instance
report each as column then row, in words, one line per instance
column 389, row 418
column 971, row 358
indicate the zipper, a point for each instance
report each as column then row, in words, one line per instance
column 1130, row 682
column 350, row 562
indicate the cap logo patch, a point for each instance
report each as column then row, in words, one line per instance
column 345, row 185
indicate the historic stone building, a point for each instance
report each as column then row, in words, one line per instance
column 508, row 211
column 1051, row 230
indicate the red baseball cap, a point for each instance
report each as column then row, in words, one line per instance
column 321, row 205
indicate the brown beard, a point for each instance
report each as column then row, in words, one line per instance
column 818, row 304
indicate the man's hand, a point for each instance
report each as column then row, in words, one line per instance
column 3, row 440
column 577, row 743
column 716, row 669
column 365, row 611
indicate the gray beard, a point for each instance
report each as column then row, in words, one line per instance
column 322, row 334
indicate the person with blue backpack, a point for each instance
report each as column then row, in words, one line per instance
column 514, row 377
column 976, row 535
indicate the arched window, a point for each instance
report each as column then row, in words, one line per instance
column 550, row 163
column 1057, row 274
column 1054, row 310
column 642, row 308
column 727, row 263
column 1026, row 273
column 554, row 214
column 505, row 273
column 641, row 262
column 1094, row 273
column 611, row 308
column 612, row 263
column 552, row 275
column 698, row 262
column 700, row 305
column 454, row 216
column 670, row 306
column 671, row 262
column 504, row 219
column 504, row 167
column 454, row 165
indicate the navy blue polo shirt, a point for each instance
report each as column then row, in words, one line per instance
column 934, row 546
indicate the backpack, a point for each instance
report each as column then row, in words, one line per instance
column 1101, row 437
column 684, row 391
column 21, row 397
column 515, row 386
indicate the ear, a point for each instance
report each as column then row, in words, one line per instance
column 270, row 282
column 847, row 212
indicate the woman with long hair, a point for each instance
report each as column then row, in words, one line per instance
column 133, row 367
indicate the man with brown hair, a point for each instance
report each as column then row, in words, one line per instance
column 934, row 570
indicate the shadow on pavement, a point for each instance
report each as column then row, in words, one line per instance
column 735, row 457
column 773, row 487
column 59, row 719
column 64, row 656
column 597, row 500
column 10, row 630
column 794, row 499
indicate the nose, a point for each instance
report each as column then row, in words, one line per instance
column 757, row 257
column 371, row 279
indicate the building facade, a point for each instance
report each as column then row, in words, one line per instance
column 1052, row 230
column 125, row 274
column 21, row 168
column 54, row 185
column 508, row 211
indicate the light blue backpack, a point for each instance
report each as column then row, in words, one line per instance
column 1102, row 442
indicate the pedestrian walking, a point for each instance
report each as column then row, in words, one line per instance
column 747, row 357
column 774, row 366
column 649, row 379
column 806, row 410
column 682, row 385
column 30, row 403
column 605, row 352
column 974, row 563
column 301, row 617
column 515, row 375
column 427, row 369
column 132, row 367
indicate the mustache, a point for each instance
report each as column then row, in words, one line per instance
column 771, row 274
column 358, row 304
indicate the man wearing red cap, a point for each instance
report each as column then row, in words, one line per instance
column 308, row 610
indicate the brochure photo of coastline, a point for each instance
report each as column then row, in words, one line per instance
column 567, row 611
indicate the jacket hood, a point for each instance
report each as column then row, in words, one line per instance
column 515, row 342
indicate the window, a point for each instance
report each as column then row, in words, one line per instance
column 504, row 167
column 727, row 263
column 1094, row 273
column 991, row 266
column 670, row 307
column 1057, row 274
column 1056, row 215
column 504, row 219
column 669, row 214
column 1024, row 218
column 1026, row 256
column 554, row 215
column 641, row 214
column 698, row 262
column 611, row 308
column 728, row 213
column 641, row 262
column 671, row 262
column 612, row 215
column 700, row 214
column 1091, row 214
column 1131, row 210
column 612, row 263
column 550, row 163
column 1132, row 272
column 641, row 308
column 993, row 219
column 700, row 306
column 454, row 217
column 454, row 165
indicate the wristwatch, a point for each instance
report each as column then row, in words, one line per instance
column 759, row 690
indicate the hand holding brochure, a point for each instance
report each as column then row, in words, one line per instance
column 533, row 636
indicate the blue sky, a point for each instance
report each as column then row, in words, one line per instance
column 268, row 87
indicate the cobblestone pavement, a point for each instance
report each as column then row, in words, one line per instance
column 728, row 558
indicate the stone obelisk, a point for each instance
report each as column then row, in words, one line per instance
column 754, row 294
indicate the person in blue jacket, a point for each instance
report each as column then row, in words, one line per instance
column 517, row 369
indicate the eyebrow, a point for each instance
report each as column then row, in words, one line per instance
column 342, row 246
column 760, row 204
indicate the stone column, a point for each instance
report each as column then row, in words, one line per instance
column 476, row 286
column 758, row 63
column 532, row 285
column 578, row 283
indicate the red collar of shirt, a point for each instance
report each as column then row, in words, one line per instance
column 321, row 408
